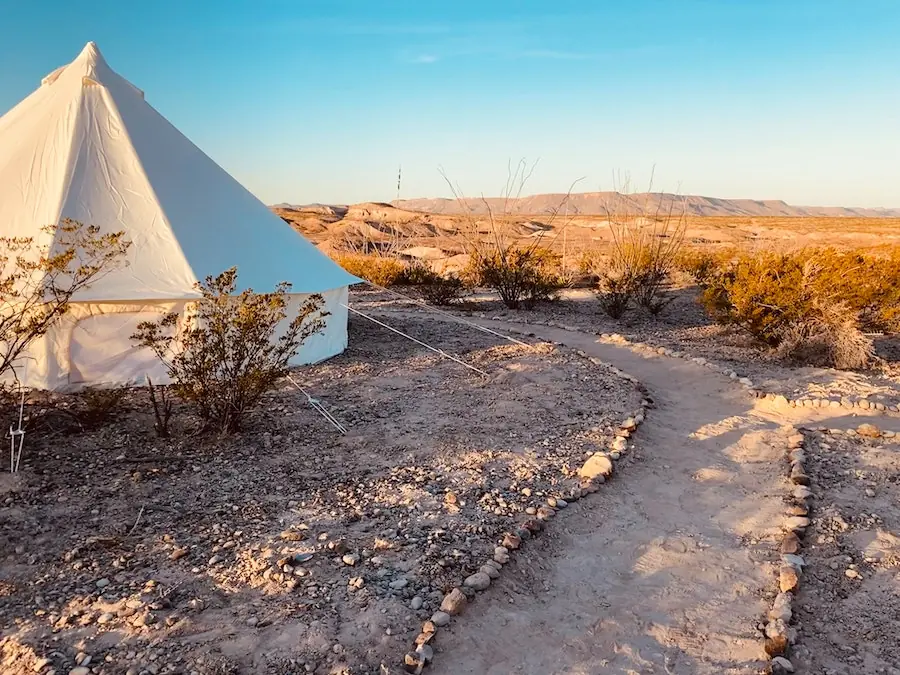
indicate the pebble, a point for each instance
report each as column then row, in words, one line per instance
column 802, row 492
column 215, row 560
column 80, row 670
column 870, row 492
column 417, row 603
column 795, row 441
column 399, row 584
column 440, row 619
column 102, row 583
column 781, row 608
column 478, row 581
column 350, row 559
column 252, row 622
column 413, row 662
column 793, row 560
column 545, row 513
column 105, row 618
column 851, row 574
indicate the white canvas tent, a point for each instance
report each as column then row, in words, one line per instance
column 87, row 146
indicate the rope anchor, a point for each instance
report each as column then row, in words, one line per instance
column 15, row 448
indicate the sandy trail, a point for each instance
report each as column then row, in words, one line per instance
column 660, row 572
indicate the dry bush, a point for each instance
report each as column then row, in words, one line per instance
column 444, row 290
column 829, row 338
column 646, row 241
column 37, row 281
column 380, row 270
column 163, row 407
column 615, row 296
column 702, row 265
column 810, row 304
column 521, row 274
column 97, row 407
column 228, row 355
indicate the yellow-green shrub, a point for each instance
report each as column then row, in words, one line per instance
column 383, row 270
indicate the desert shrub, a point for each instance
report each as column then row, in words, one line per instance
column 37, row 281
column 443, row 289
column 97, row 407
column 646, row 241
column 380, row 270
column 810, row 304
column 829, row 336
column 521, row 276
column 615, row 295
column 701, row 265
column 228, row 355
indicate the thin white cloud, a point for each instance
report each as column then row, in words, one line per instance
column 425, row 58
column 555, row 55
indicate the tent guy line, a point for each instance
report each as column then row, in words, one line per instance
column 418, row 342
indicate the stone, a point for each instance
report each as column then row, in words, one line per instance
column 781, row 608
column 102, row 583
column 215, row 560
column 776, row 646
column 440, row 619
column 105, row 618
column 802, row 492
column 178, row 553
column 793, row 560
column 620, row 444
column 453, row 603
column 798, row 510
column 630, row 424
column 868, row 431
column 597, row 464
column 350, row 559
column 533, row 525
column 511, row 541
column 781, row 666
column 399, row 584
column 798, row 476
column 796, row 524
column 478, row 581
column 788, row 578
column 416, row 603
column 851, row 574
column 413, row 662
column 252, row 622
column 790, row 543
column 795, row 441
column 426, row 651
column 561, row 503
column 798, row 455
column 545, row 513
column 80, row 670
column 863, row 403
column 501, row 558
column 781, row 401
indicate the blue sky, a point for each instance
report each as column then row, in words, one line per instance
column 322, row 100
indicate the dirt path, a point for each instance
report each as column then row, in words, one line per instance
column 660, row 572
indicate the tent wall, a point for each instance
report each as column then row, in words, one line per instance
column 91, row 345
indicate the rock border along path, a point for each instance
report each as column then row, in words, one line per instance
column 658, row 377
column 595, row 471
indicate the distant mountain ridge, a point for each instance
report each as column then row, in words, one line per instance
column 599, row 203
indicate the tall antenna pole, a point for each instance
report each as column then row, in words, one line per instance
column 399, row 175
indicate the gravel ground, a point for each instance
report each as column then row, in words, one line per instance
column 288, row 548
column 848, row 607
column 685, row 326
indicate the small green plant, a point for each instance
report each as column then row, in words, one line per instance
column 234, row 349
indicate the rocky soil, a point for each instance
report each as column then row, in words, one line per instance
column 848, row 606
column 289, row 548
column 684, row 326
